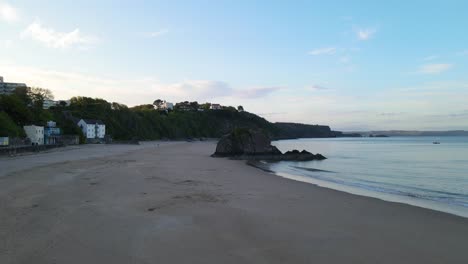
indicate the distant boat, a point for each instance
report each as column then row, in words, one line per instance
column 436, row 142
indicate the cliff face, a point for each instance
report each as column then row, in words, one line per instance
column 295, row 130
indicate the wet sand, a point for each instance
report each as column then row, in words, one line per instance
column 173, row 203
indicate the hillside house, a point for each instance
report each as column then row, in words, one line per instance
column 216, row 107
column 35, row 134
column 165, row 106
column 92, row 129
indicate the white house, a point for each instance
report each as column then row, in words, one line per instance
column 164, row 106
column 216, row 107
column 167, row 106
column 92, row 128
column 35, row 134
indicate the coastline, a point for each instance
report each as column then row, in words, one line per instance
column 175, row 204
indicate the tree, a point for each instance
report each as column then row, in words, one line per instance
column 158, row 103
column 194, row 105
column 37, row 93
column 205, row 106
column 38, row 96
column 240, row 108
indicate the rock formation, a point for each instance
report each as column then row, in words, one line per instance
column 256, row 145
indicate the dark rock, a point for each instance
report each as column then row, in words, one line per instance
column 245, row 142
column 255, row 145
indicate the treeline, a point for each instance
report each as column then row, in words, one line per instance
column 145, row 123
column 21, row 108
column 140, row 122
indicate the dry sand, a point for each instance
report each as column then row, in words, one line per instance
column 175, row 204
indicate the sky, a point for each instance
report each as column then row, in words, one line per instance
column 353, row 65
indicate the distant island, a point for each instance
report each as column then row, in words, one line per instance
column 414, row 133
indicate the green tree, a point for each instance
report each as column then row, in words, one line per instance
column 8, row 127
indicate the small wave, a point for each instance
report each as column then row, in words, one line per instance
column 420, row 193
column 312, row 169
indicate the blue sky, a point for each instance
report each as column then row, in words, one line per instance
column 355, row 65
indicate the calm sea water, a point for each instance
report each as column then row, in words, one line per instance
column 410, row 170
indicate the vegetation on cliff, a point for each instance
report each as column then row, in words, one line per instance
column 140, row 122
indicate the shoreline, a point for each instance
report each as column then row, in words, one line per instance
column 453, row 210
column 150, row 204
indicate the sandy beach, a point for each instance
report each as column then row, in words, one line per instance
column 172, row 203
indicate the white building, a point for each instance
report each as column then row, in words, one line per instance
column 216, row 107
column 167, row 106
column 164, row 106
column 92, row 128
column 49, row 103
column 9, row 88
column 35, row 134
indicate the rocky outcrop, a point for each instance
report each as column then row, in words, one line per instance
column 256, row 145
column 245, row 142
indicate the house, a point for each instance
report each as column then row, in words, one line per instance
column 184, row 106
column 92, row 129
column 49, row 103
column 35, row 134
column 165, row 106
column 9, row 88
column 51, row 133
column 216, row 107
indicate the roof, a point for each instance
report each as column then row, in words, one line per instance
column 93, row 121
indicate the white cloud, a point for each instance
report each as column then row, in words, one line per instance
column 155, row 34
column 68, row 84
column 365, row 33
column 331, row 107
column 8, row 13
column 198, row 89
column 323, row 51
column 436, row 68
column 59, row 40
column 316, row 87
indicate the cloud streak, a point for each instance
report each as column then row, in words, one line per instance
column 316, row 87
column 57, row 40
column 257, row 92
column 155, row 34
column 436, row 68
column 69, row 84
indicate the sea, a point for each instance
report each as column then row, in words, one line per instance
column 411, row 170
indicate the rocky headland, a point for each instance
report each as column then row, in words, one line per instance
column 256, row 145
